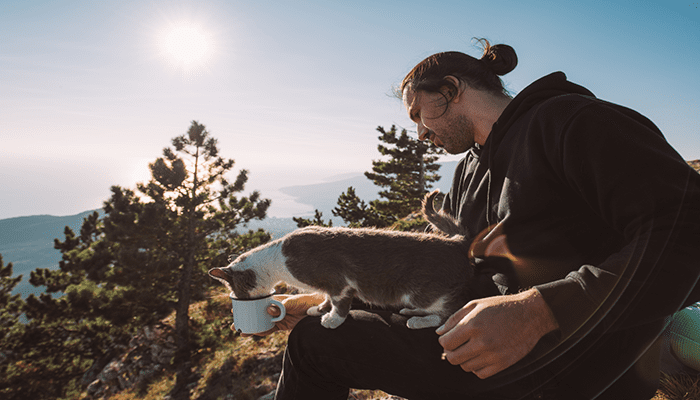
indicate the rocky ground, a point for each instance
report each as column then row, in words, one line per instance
column 147, row 355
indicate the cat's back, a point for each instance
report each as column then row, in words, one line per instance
column 343, row 237
column 370, row 248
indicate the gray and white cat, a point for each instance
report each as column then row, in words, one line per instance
column 425, row 274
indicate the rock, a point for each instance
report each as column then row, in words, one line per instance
column 124, row 367
column 124, row 383
column 91, row 374
column 94, row 387
column 110, row 372
column 148, row 332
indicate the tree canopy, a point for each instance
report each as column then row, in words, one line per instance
column 146, row 257
column 405, row 177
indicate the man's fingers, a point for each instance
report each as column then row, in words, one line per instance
column 448, row 325
column 454, row 319
column 482, row 365
column 298, row 304
column 456, row 331
column 465, row 353
column 275, row 329
column 487, row 372
column 273, row 310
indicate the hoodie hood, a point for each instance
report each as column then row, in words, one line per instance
column 547, row 87
column 543, row 89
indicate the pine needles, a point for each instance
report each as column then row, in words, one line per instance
column 678, row 387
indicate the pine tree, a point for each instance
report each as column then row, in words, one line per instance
column 10, row 326
column 405, row 177
column 70, row 325
column 147, row 256
column 194, row 212
column 10, row 306
column 317, row 221
column 356, row 212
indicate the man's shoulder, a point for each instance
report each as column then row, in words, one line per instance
column 562, row 109
column 568, row 102
column 568, row 106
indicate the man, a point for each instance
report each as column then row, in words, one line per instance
column 596, row 220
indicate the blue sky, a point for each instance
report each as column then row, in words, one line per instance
column 293, row 90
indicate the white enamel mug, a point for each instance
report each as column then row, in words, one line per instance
column 250, row 315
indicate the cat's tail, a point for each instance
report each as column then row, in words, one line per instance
column 440, row 220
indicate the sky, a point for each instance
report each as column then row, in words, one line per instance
column 92, row 91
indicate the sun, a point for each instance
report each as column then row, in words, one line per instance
column 187, row 46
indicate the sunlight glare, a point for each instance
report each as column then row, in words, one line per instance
column 187, row 46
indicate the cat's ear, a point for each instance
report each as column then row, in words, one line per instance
column 239, row 282
column 220, row 275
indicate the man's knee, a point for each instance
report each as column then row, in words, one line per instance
column 304, row 333
column 306, row 372
column 309, row 341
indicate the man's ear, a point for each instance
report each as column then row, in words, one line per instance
column 454, row 91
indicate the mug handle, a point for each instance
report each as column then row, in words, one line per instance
column 283, row 312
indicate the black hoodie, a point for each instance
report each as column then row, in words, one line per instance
column 602, row 212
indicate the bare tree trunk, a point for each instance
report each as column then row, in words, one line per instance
column 183, row 359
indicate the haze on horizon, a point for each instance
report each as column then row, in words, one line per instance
column 90, row 92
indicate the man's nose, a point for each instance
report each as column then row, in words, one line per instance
column 423, row 132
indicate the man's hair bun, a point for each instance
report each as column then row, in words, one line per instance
column 499, row 58
column 431, row 74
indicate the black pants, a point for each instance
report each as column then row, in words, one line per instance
column 375, row 350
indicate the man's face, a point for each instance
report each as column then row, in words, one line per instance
column 445, row 124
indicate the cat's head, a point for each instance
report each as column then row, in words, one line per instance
column 241, row 282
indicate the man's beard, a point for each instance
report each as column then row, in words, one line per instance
column 462, row 138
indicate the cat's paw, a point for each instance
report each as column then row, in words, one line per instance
column 412, row 311
column 314, row 311
column 332, row 321
column 427, row 321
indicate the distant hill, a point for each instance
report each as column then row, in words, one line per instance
column 27, row 243
column 324, row 196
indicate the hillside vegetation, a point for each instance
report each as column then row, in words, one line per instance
column 231, row 367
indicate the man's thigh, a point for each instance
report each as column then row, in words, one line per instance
column 375, row 350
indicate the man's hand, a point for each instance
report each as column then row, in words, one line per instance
column 295, row 305
column 489, row 335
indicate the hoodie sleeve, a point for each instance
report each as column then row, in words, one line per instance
column 625, row 171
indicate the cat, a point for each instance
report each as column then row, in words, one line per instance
column 426, row 275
